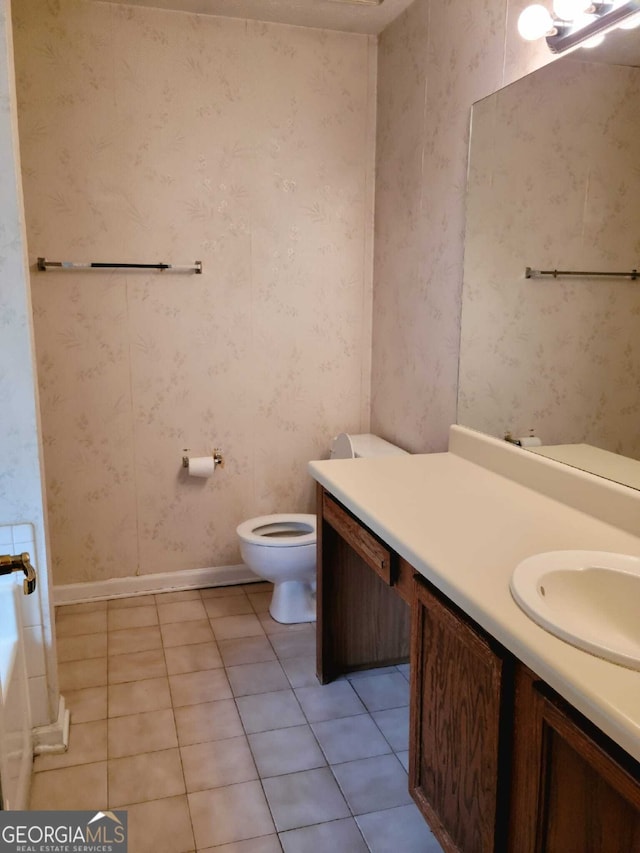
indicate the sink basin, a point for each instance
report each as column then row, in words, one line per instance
column 591, row 599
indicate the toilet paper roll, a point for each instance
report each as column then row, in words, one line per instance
column 529, row 441
column 201, row 466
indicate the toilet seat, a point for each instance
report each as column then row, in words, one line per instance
column 281, row 530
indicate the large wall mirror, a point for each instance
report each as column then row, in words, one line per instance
column 554, row 184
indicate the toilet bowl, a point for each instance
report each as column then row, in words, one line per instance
column 281, row 548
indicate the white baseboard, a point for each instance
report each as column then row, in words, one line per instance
column 76, row 593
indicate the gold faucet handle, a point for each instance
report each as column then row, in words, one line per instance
column 29, row 582
column 19, row 563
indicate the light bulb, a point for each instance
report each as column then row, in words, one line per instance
column 582, row 21
column 630, row 23
column 567, row 10
column 534, row 22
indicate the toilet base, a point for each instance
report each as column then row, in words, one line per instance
column 293, row 601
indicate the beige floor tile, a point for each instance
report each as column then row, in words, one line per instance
column 246, row 650
column 305, row 798
column 283, row 751
column 270, row 625
column 249, row 678
column 381, row 692
column 373, row 784
column 231, row 627
column 136, row 665
column 192, row 658
column 221, row 591
column 134, row 640
column 191, row 688
column 78, row 674
column 394, row 725
column 369, row 673
column 87, row 704
column 87, row 745
column 260, row 601
column 208, row 721
column 135, row 697
column 234, row 813
column 301, row 672
column 401, row 828
column 405, row 670
column 268, row 711
column 93, row 622
column 264, row 844
column 82, row 647
column 81, row 787
column 131, row 601
column 179, row 595
column 160, row 826
column 350, row 738
column 186, row 633
column 152, row 746
column 329, row 701
column 217, row 763
column 84, row 607
column 295, row 644
column 403, row 758
column 181, row 611
column 132, row 617
column 343, row 836
column 138, row 733
column 233, row 605
column 150, row 776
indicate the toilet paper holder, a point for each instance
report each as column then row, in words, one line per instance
column 218, row 458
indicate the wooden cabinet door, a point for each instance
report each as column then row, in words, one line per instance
column 574, row 791
column 459, row 742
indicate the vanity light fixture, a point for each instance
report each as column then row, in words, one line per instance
column 577, row 22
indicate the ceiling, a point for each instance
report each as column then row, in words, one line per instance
column 347, row 15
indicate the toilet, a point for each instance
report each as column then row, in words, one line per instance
column 281, row 548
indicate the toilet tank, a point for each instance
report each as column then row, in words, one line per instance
column 345, row 446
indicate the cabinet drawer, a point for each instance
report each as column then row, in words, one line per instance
column 373, row 552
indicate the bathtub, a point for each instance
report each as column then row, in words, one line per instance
column 16, row 751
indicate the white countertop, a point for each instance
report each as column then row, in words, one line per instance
column 465, row 528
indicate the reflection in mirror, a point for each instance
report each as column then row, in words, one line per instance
column 554, row 183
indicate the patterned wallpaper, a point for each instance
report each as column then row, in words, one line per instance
column 561, row 191
column 435, row 60
column 249, row 146
column 152, row 135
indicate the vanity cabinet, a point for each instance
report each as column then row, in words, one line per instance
column 497, row 761
column 362, row 620
column 573, row 789
column 461, row 702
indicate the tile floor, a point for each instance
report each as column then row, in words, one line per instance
column 203, row 717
